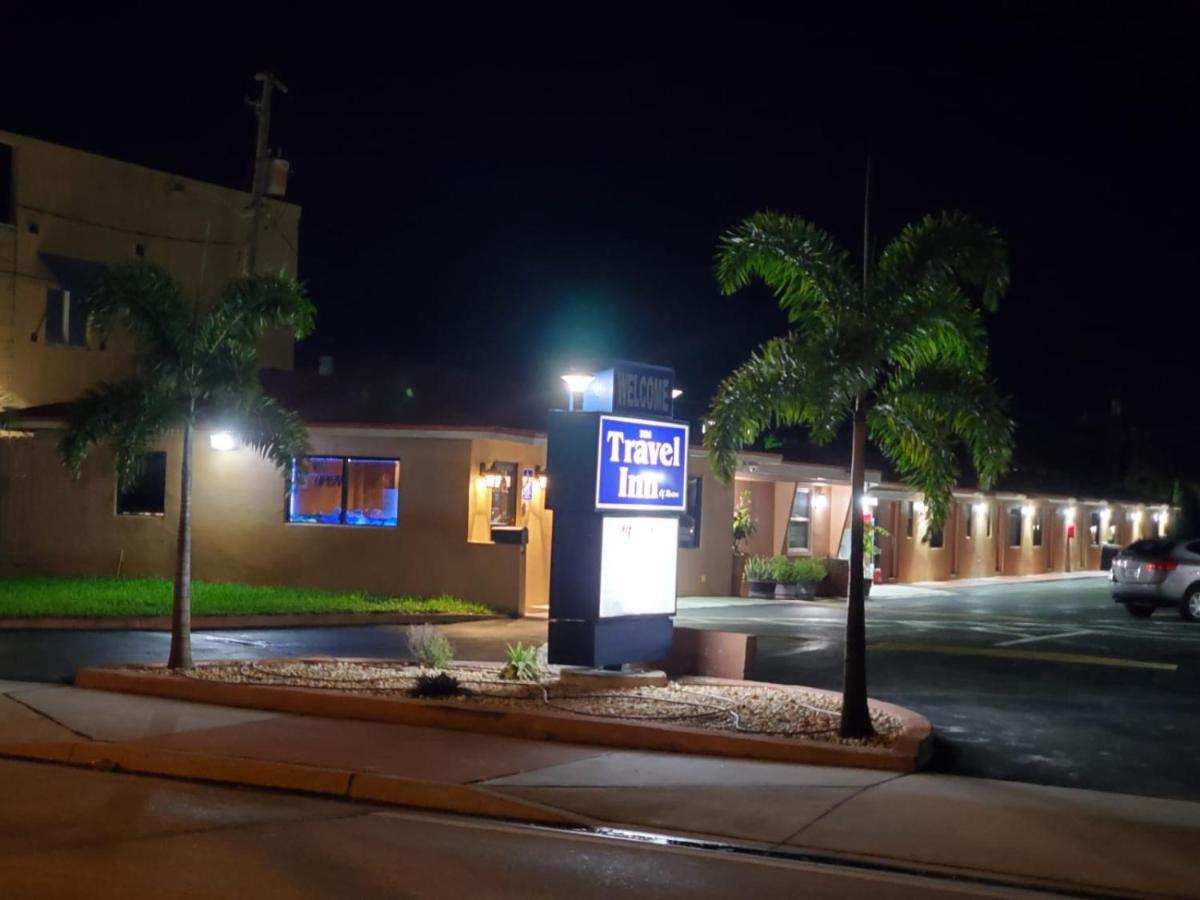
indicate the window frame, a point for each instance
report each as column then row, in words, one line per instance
column 1037, row 526
column 142, row 514
column 70, row 309
column 1095, row 538
column 346, row 459
column 1019, row 519
column 794, row 519
column 512, row 492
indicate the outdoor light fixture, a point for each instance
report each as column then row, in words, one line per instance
column 868, row 503
column 980, row 508
column 223, row 440
column 540, row 474
column 1027, row 510
column 492, row 477
column 820, row 501
column 1135, row 516
column 1069, row 512
column 676, row 393
column 577, row 383
column 919, row 507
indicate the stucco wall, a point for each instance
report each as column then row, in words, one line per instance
column 98, row 209
column 51, row 525
column 706, row 570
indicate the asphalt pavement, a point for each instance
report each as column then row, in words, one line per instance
column 1046, row 682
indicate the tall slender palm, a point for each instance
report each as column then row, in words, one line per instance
column 897, row 348
column 191, row 359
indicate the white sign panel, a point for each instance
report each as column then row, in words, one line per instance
column 637, row 566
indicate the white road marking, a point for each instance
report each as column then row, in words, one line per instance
column 1043, row 637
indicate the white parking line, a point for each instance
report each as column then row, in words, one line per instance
column 1042, row 637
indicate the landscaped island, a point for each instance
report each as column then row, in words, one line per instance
column 120, row 597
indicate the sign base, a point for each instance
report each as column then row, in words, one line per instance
column 610, row 642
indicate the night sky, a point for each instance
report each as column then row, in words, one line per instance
column 525, row 192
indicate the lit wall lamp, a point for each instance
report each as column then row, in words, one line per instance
column 492, row 477
column 1135, row 515
column 223, row 440
column 820, row 501
column 1027, row 510
column 676, row 393
column 1158, row 517
column 577, row 383
column 980, row 508
column 868, row 502
column 919, row 507
column 540, row 474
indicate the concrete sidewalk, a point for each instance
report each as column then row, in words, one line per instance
column 1051, row 837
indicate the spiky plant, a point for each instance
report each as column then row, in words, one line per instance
column 897, row 349
column 191, row 359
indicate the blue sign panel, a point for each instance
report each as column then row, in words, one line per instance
column 641, row 465
column 632, row 389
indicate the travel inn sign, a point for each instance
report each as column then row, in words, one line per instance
column 641, row 465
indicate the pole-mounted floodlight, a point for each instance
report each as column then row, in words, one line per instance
column 577, row 383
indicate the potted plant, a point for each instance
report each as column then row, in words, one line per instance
column 760, row 577
column 808, row 573
column 783, row 570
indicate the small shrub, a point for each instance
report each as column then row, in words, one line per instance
column 758, row 568
column 434, row 686
column 521, row 664
column 430, row 648
column 783, row 571
column 809, row 570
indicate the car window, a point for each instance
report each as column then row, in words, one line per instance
column 1150, row 547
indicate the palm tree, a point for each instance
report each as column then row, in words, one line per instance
column 898, row 349
column 190, row 359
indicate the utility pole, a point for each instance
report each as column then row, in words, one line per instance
column 262, row 162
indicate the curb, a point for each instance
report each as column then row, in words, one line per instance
column 215, row 623
column 908, row 753
column 342, row 784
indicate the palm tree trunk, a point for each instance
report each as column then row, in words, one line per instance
column 856, row 720
column 181, row 610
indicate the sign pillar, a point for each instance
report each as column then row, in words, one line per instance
column 617, row 485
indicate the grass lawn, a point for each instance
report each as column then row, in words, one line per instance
column 31, row 597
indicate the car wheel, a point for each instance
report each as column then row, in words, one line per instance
column 1189, row 609
column 1139, row 610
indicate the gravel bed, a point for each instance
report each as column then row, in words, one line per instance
column 762, row 710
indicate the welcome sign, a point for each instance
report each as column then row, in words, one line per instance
column 641, row 465
column 632, row 389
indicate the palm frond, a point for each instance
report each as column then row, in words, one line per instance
column 787, row 381
column 129, row 415
column 810, row 275
column 252, row 305
column 930, row 324
column 921, row 419
column 267, row 428
column 948, row 246
column 145, row 301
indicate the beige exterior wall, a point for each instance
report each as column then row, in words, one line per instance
column 706, row 570
column 52, row 525
column 98, row 209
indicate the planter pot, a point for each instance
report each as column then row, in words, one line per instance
column 760, row 588
column 785, row 591
column 806, row 590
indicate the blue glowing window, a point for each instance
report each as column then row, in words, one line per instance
column 337, row 490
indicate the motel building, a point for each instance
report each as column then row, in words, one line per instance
column 409, row 499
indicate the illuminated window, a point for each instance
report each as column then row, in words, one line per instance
column 1094, row 529
column 504, row 497
column 337, row 490
column 798, row 523
column 689, row 522
column 147, row 495
column 1038, row 515
column 1014, row 526
column 1111, row 530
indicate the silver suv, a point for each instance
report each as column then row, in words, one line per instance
column 1158, row 572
